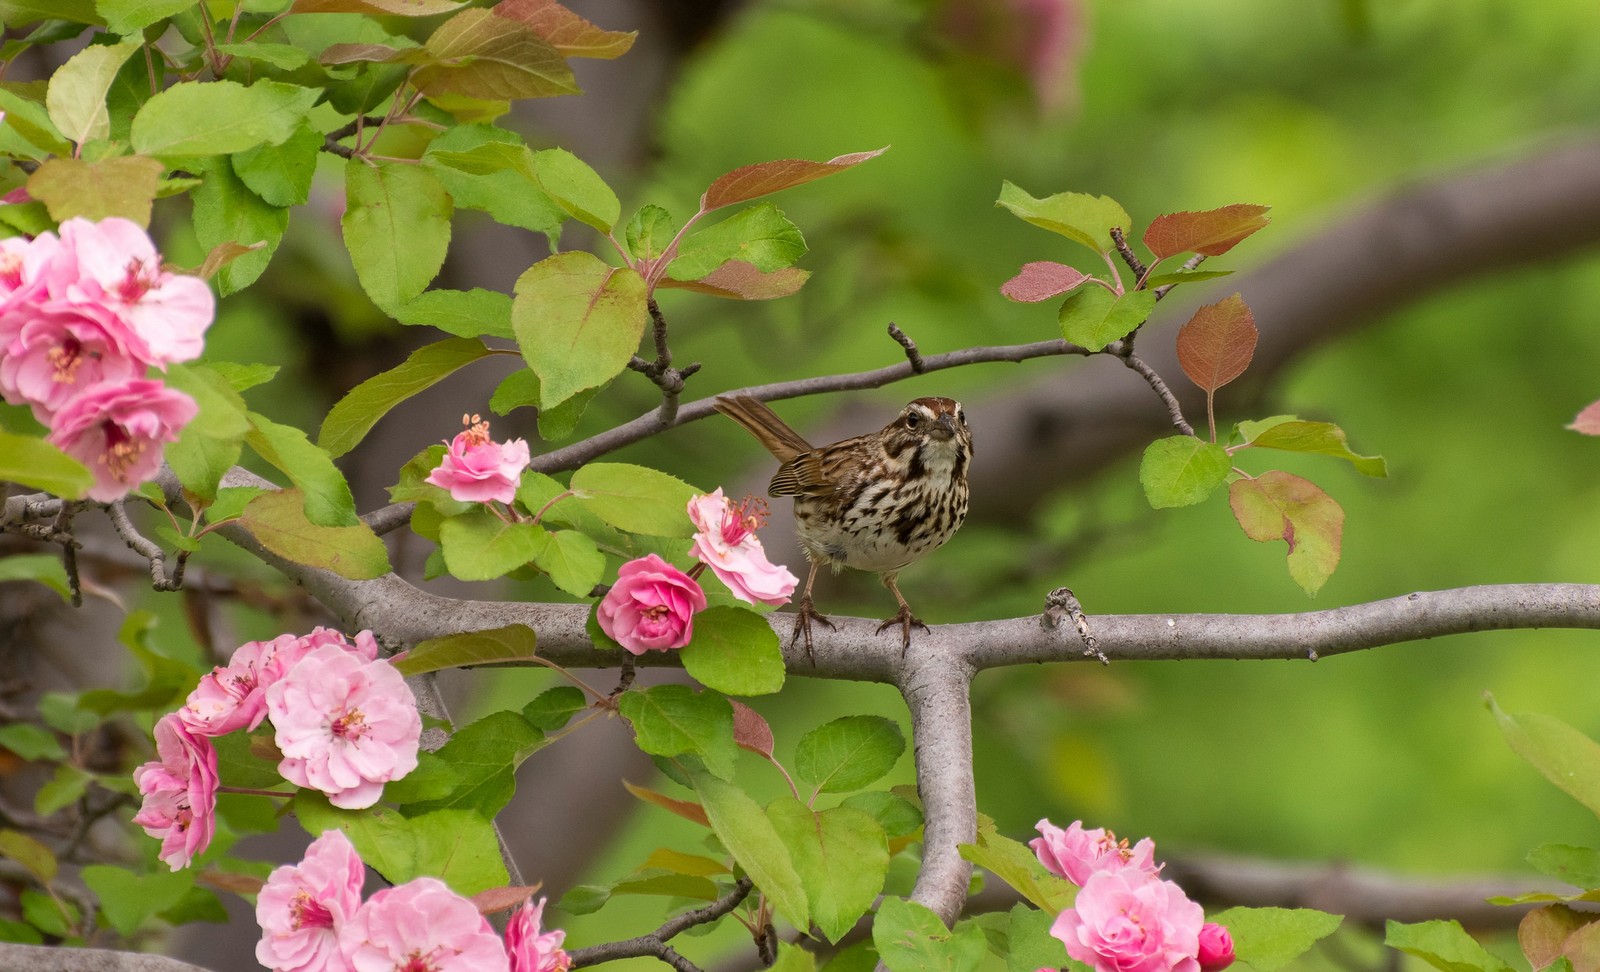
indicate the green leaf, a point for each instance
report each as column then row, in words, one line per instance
column 578, row 321
column 748, row 834
column 477, row 545
column 673, row 720
column 1321, row 438
column 226, row 211
column 1267, row 939
column 1093, row 317
column 200, row 461
column 1078, row 216
column 509, row 193
column 636, row 498
column 573, row 562
column 355, row 414
column 1029, row 944
column 491, row 58
column 554, row 708
column 1443, row 944
column 36, row 464
column 520, row 389
column 396, row 227
column 464, row 313
column 670, row 885
column 1577, row 866
column 36, row 858
column 484, row 756
column 44, row 568
column 29, row 741
column 841, row 856
column 26, row 117
column 848, row 753
column 277, row 519
column 386, row 841
column 223, row 413
column 734, row 651
column 130, row 16
column 1566, row 757
column 327, row 495
column 284, row 57
column 760, row 236
column 122, row 186
column 77, row 93
column 230, row 502
column 649, row 232
column 166, row 681
column 1016, row 864
column 911, row 938
column 281, row 174
column 219, row 117
column 897, row 816
column 64, row 788
column 512, row 643
column 239, row 763
column 18, row 13
column 576, row 188
column 1184, row 276
column 130, row 899
column 1182, row 470
column 1279, row 506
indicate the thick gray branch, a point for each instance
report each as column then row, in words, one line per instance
column 45, row 958
column 937, row 691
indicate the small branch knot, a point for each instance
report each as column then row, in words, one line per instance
column 1061, row 604
column 918, row 366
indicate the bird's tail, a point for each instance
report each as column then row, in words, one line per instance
column 763, row 423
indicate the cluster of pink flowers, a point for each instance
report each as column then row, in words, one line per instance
column 477, row 469
column 312, row 919
column 344, row 721
column 652, row 605
column 1126, row 918
column 83, row 316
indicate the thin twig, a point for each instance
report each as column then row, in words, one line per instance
column 655, row 944
column 146, row 548
column 1160, row 387
column 330, row 141
column 1188, row 264
column 1126, row 252
column 918, row 366
column 660, row 371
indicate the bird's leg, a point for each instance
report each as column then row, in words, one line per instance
column 905, row 619
column 806, row 614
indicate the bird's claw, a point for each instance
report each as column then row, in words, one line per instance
column 805, row 614
column 906, row 621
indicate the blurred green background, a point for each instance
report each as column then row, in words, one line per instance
column 1385, row 757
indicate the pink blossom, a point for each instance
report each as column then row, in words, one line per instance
column 421, row 926
column 24, row 265
column 117, row 430
column 51, row 357
column 1216, row 948
column 477, row 469
column 531, row 950
column 651, row 607
column 110, row 271
column 345, row 726
column 1075, row 853
column 234, row 696
column 303, row 907
column 725, row 541
column 180, row 792
column 1129, row 920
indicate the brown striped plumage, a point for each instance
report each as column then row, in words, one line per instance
column 874, row 502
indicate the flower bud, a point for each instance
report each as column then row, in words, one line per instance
column 1216, row 948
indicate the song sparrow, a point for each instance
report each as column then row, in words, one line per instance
column 874, row 502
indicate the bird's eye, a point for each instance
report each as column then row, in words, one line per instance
column 961, row 417
column 913, row 420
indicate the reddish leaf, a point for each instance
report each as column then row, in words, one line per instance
column 1588, row 420
column 750, row 731
column 499, row 899
column 404, row 8
column 240, row 884
column 738, row 280
column 566, row 31
column 1042, row 280
column 1543, row 932
column 1216, row 345
column 1280, row 506
column 1212, row 232
column 1582, row 948
column 763, row 178
column 491, row 58
column 223, row 254
column 683, row 808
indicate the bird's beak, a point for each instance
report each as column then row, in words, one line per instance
column 947, row 425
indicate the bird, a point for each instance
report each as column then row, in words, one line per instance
column 877, row 502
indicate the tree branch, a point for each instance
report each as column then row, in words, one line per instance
column 655, row 943
column 49, row 958
column 937, row 688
